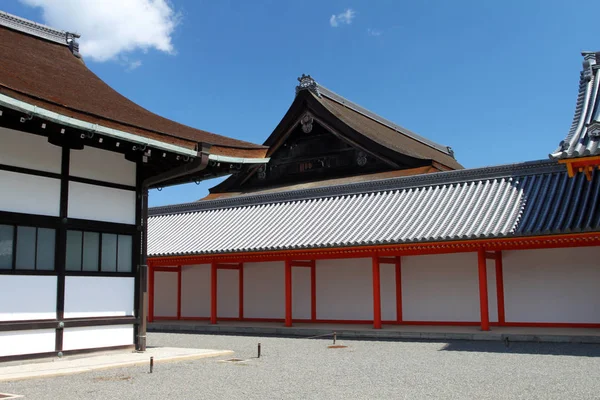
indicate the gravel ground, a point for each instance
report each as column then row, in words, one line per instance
column 308, row 369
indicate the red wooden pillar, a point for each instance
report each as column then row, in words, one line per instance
column 241, row 291
column 150, row 293
column 313, row 290
column 376, row 294
column 500, row 288
column 213, row 293
column 179, row 292
column 483, row 292
column 398, row 290
column 288, row 292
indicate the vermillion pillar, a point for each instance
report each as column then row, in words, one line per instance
column 288, row 293
column 376, row 294
column 213, row 293
column 483, row 291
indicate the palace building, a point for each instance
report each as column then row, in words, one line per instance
column 355, row 219
column 76, row 162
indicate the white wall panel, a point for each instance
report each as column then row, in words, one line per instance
column 27, row 342
column 492, row 293
column 195, row 290
column 300, row 293
column 264, row 290
column 102, row 165
column 95, row 337
column 165, row 294
column 25, row 150
column 228, row 293
column 24, row 297
column 99, row 203
column 442, row 287
column 552, row 285
column 29, row 194
column 387, row 286
column 345, row 289
column 94, row 296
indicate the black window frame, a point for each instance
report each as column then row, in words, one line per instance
column 15, row 237
column 99, row 270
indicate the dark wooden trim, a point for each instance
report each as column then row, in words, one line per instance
column 65, row 353
column 75, row 224
column 39, row 221
column 136, row 258
column 29, row 171
column 6, row 326
column 26, row 272
column 114, row 274
column 95, row 182
column 61, row 243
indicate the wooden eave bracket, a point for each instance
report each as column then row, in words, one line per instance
column 585, row 165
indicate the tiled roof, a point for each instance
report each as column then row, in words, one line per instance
column 583, row 138
column 535, row 198
column 38, row 68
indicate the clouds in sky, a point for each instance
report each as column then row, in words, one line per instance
column 344, row 18
column 110, row 28
column 374, row 32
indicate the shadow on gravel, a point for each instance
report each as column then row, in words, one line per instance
column 551, row 349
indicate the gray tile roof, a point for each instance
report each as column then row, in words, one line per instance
column 512, row 200
column 583, row 138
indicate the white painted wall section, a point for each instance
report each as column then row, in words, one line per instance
column 300, row 293
column 95, row 337
column 195, row 290
column 25, row 297
column 21, row 149
column 99, row 203
column 345, row 289
column 387, row 289
column 264, row 290
column 552, row 285
column 228, row 293
column 29, row 194
column 27, row 342
column 442, row 287
column 165, row 294
column 102, row 165
column 492, row 292
column 87, row 296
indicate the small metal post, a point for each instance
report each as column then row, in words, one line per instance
column 258, row 350
column 151, row 364
column 334, row 337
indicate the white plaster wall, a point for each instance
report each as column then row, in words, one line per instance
column 165, row 294
column 345, row 289
column 21, row 149
column 27, row 342
column 102, row 165
column 442, row 287
column 300, row 293
column 99, row 203
column 195, row 290
column 29, row 194
column 228, row 293
column 95, row 337
column 492, row 293
column 24, row 297
column 264, row 290
column 93, row 296
column 387, row 289
column 552, row 285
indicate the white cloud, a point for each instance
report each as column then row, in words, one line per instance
column 374, row 32
column 134, row 64
column 344, row 18
column 112, row 27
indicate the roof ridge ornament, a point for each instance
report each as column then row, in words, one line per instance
column 42, row 31
column 307, row 83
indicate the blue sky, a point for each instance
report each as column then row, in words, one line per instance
column 497, row 81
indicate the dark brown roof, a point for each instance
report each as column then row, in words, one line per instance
column 384, row 135
column 47, row 74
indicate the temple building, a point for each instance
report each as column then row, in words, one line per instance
column 357, row 220
column 76, row 162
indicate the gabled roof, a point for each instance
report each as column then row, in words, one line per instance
column 583, row 138
column 41, row 68
column 528, row 199
column 368, row 125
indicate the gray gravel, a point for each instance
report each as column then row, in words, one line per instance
column 308, row 369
